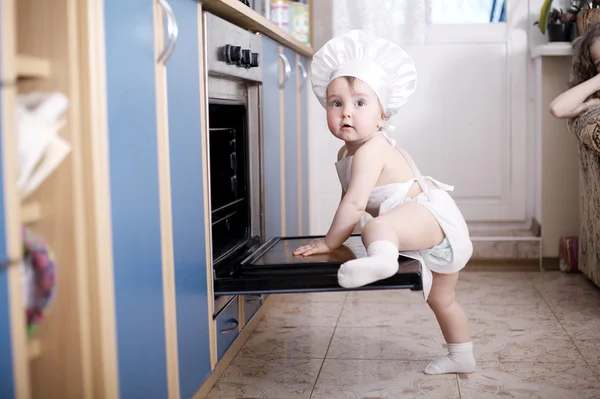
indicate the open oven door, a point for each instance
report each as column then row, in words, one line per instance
column 271, row 268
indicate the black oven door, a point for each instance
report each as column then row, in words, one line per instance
column 271, row 268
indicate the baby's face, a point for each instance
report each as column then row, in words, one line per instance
column 353, row 113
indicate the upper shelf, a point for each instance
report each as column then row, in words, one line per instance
column 32, row 67
column 245, row 17
column 552, row 49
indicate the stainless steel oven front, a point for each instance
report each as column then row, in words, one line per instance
column 233, row 85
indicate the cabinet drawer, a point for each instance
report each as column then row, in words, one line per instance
column 251, row 305
column 227, row 327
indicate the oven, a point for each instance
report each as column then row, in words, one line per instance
column 244, row 261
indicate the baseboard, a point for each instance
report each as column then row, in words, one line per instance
column 222, row 365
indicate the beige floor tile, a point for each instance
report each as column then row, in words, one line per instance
column 585, row 317
column 381, row 343
column 559, row 281
column 493, row 279
column 507, row 295
column 386, row 297
column 381, row 379
column 574, row 298
column 287, row 342
column 529, row 346
column 311, row 297
column 501, row 317
column 403, row 316
column 259, row 378
column 316, row 314
column 588, row 343
column 531, row 380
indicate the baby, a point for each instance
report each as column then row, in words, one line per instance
column 362, row 80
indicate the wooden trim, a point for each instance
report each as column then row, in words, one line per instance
column 299, row 143
column 31, row 212
column 18, row 336
column 32, row 67
column 236, row 12
column 166, row 217
column 99, row 152
column 212, row 328
column 79, row 215
column 241, row 312
column 233, row 350
column 282, row 147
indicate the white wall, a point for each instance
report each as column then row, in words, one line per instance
column 324, row 185
column 557, row 183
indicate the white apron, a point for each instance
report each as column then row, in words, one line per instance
column 438, row 202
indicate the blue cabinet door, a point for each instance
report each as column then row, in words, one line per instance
column 7, row 386
column 271, row 143
column 303, row 115
column 188, row 200
column 291, row 158
column 134, row 197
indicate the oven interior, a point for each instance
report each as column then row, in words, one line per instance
column 230, row 194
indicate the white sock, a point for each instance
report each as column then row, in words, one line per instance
column 381, row 262
column 459, row 359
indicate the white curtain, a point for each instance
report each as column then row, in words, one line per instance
column 402, row 21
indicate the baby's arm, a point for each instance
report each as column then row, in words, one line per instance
column 573, row 101
column 366, row 168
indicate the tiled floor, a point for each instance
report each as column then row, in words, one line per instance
column 536, row 335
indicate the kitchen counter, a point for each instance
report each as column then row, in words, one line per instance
column 236, row 12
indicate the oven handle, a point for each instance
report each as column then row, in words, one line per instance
column 172, row 31
column 288, row 70
column 304, row 74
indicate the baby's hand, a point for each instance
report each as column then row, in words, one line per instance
column 315, row 247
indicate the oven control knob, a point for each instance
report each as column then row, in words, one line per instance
column 254, row 62
column 245, row 61
column 233, row 54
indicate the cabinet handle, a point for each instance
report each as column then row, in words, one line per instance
column 253, row 298
column 172, row 31
column 288, row 70
column 304, row 74
column 232, row 329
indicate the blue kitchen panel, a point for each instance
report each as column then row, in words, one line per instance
column 227, row 327
column 133, row 173
column 304, row 149
column 291, row 148
column 188, row 200
column 271, row 138
column 7, row 387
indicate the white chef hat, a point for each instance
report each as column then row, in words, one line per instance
column 378, row 62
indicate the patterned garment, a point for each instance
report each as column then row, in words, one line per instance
column 586, row 128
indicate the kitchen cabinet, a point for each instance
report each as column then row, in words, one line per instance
column 303, row 87
column 188, row 199
column 135, row 199
column 126, row 212
column 273, row 185
column 285, row 145
column 7, row 301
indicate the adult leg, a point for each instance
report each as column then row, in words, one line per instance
column 455, row 327
column 407, row 227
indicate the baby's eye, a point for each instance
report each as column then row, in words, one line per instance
column 337, row 104
column 360, row 103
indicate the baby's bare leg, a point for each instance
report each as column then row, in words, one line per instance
column 408, row 227
column 455, row 327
